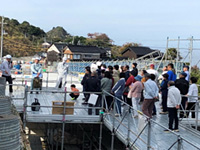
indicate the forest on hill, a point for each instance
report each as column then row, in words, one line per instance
column 24, row 39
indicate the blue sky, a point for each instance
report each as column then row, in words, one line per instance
column 148, row 22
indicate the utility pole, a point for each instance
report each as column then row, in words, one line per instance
column 2, row 33
column 2, row 19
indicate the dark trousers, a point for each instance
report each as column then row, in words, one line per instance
column 60, row 85
column 173, row 117
column 154, row 109
column 164, row 103
column 182, row 107
column 108, row 100
column 9, row 79
column 191, row 106
column 147, row 107
column 73, row 96
column 128, row 100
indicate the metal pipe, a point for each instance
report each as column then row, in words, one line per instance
column 177, row 55
column 113, row 128
column 63, row 126
column 2, row 19
column 179, row 143
column 197, row 115
column 129, row 126
column 149, row 135
column 25, row 109
column 47, row 79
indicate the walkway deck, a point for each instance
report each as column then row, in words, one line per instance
column 159, row 139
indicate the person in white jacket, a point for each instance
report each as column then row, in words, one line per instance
column 173, row 104
column 62, row 72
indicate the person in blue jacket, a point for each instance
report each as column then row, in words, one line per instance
column 171, row 72
column 117, row 90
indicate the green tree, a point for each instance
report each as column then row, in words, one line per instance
column 172, row 54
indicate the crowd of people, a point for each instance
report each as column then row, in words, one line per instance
column 141, row 89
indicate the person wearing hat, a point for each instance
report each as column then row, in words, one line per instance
column 62, row 69
column 153, row 71
column 135, row 93
column 6, row 71
column 36, row 70
column 164, row 92
column 183, row 86
column 135, row 70
column 186, row 70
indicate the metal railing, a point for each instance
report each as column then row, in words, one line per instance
column 125, row 127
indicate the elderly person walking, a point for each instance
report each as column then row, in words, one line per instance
column 151, row 92
column 173, row 104
column 135, row 93
column 6, row 72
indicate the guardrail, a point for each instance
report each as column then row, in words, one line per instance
column 135, row 137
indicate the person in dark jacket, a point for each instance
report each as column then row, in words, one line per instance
column 135, row 70
column 183, row 86
column 126, row 71
column 164, row 92
column 86, row 76
column 117, row 90
column 93, row 84
column 171, row 72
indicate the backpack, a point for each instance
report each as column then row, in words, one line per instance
column 37, row 105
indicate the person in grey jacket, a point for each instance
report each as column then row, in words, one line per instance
column 118, row 92
column 106, row 86
column 173, row 104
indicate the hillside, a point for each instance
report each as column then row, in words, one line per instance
column 21, row 39
column 57, row 34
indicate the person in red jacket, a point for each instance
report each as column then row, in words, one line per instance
column 129, row 83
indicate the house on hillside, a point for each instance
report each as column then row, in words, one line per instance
column 140, row 52
column 55, row 52
column 80, row 52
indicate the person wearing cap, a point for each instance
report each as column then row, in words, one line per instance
column 164, row 92
column 6, row 71
column 183, row 86
column 153, row 71
column 135, row 93
column 62, row 69
column 135, row 70
column 186, row 70
column 36, row 70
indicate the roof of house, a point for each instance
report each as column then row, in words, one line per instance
column 60, row 46
column 84, row 49
column 139, row 50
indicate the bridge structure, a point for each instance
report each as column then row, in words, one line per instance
column 135, row 133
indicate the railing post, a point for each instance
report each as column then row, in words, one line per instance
column 197, row 114
column 129, row 126
column 179, row 143
column 25, row 107
column 149, row 135
column 63, row 120
column 47, row 79
column 113, row 127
